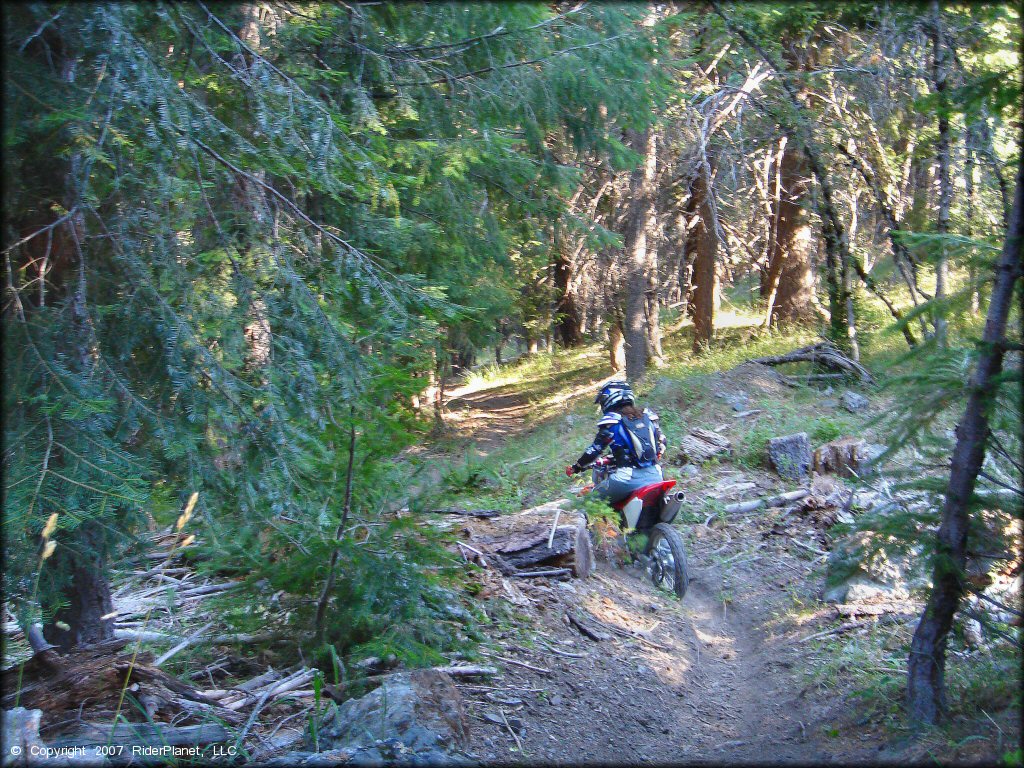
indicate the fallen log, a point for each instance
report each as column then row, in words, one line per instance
column 190, row 640
column 547, row 573
column 878, row 609
column 455, row 670
column 101, row 675
column 742, row 507
column 485, row 513
column 823, row 353
column 141, row 735
column 585, row 629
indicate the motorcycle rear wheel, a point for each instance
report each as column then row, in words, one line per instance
column 667, row 565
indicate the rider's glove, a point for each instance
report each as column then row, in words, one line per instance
column 571, row 470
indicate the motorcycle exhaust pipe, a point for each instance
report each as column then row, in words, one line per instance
column 670, row 505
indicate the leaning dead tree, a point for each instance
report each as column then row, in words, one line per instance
column 825, row 354
column 927, row 664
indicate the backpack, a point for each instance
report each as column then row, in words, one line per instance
column 634, row 443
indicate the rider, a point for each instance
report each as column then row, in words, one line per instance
column 634, row 437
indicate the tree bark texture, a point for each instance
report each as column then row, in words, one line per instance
column 926, row 666
column 972, row 275
column 939, row 69
column 640, row 254
column 616, row 346
column 790, row 282
column 706, row 271
column 568, row 316
column 87, row 595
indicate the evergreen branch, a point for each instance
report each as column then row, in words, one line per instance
column 92, row 488
column 48, row 228
column 349, row 248
column 499, row 32
column 496, row 67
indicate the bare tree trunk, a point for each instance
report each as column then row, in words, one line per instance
column 945, row 186
column 88, row 594
column 847, row 289
column 769, row 277
column 790, row 282
column 691, row 222
column 900, row 255
column 926, row 665
column 568, row 320
column 706, row 278
column 640, row 225
column 616, row 346
column 319, row 624
column 972, row 275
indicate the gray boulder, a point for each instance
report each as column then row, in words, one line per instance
column 415, row 718
column 853, row 402
column 20, row 728
column 862, row 567
column 790, row 456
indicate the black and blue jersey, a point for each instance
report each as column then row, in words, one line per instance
column 633, row 442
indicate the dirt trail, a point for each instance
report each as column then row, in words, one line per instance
column 698, row 682
column 490, row 416
column 711, row 678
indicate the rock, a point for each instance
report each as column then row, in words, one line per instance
column 853, row 402
column 863, row 567
column 414, row 717
column 739, row 401
column 689, row 470
column 21, row 735
column 973, row 634
column 701, row 444
column 860, row 590
column 790, row 455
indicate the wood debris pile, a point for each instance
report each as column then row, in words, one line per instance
column 547, row 541
column 81, row 693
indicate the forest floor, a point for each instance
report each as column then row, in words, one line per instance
column 750, row 666
column 726, row 675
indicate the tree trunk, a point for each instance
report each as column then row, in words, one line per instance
column 706, row 278
column 88, row 594
column 692, row 221
column 790, row 282
column 847, row 289
column 82, row 559
column 616, row 346
column 652, row 316
column 769, row 283
column 972, row 273
column 945, row 186
column 926, row 665
column 568, row 319
column 639, row 243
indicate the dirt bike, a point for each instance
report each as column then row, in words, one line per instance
column 650, row 510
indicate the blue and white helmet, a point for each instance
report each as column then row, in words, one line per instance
column 614, row 393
